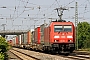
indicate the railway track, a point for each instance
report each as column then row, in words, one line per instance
column 43, row 56
column 23, row 56
column 75, row 56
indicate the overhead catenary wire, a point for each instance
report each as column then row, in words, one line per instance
column 58, row 5
column 46, row 10
column 52, row 10
column 88, row 1
column 69, row 3
column 22, row 11
column 85, row 10
column 28, row 2
column 43, row 11
column 72, row 2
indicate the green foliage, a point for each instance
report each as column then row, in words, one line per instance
column 3, row 45
column 83, row 35
column 1, row 56
column 3, row 48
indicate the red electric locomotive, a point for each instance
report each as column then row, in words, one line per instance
column 59, row 37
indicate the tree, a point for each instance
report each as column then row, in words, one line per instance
column 83, row 35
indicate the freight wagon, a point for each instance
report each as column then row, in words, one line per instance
column 23, row 40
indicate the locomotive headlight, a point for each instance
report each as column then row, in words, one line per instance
column 70, row 41
column 69, row 37
column 56, row 36
column 56, row 40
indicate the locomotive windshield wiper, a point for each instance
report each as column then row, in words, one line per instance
column 59, row 32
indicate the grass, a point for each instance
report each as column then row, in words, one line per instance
column 86, row 49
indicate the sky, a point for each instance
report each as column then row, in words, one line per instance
column 24, row 14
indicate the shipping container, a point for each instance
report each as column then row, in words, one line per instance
column 14, row 41
column 32, row 37
column 29, row 37
column 42, row 33
column 37, row 35
column 47, row 36
column 26, row 38
column 22, row 39
column 17, row 41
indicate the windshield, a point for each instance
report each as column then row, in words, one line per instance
column 59, row 28
column 68, row 28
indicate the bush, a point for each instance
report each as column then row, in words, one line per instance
column 1, row 56
column 3, row 48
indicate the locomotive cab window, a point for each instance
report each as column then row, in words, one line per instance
column 67, row 28
column 58, row 28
